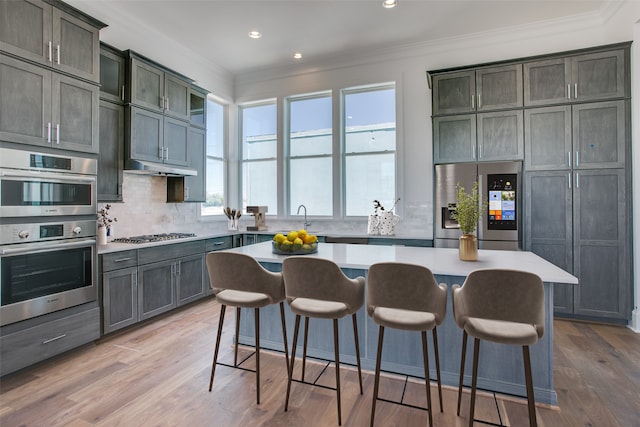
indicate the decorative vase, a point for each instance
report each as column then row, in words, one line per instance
column 102, row 235
column 468, row 250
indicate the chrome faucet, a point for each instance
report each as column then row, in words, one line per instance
column 306, row 223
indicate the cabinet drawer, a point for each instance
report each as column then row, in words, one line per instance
column 26, row 347
column 219, row 244
column 170, row 251
column 117, row 260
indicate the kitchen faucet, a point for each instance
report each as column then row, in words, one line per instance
column 306, row 223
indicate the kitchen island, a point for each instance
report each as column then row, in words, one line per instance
column 501, row 367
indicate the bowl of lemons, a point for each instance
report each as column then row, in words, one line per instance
column 295, row 243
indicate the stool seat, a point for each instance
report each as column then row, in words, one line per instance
column 243, row 299
column 319, row 308
column 500, row 331
column 408, row 320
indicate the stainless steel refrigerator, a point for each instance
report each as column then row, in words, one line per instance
column 500, row 226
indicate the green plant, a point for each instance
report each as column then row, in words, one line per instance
column 468, row 208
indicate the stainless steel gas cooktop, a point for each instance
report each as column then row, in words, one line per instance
column 147, row 238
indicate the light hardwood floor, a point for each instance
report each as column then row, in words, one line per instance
column 157, row 374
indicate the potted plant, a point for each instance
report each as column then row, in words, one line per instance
column 467, row 213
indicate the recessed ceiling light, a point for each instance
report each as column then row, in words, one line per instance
column 297, row 55
column 255, row 34
column 389, row 4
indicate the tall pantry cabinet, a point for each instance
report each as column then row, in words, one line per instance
column 576, row 148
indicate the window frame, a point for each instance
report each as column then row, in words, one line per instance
column 224, row 159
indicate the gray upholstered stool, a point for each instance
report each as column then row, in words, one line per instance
column 317, row 288
column 239, row 281
column 503, row 306
column 407, row 297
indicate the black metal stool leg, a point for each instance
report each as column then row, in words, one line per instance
column 474, row 380
column 355, row 335
column 304, row 346
column 215, row 352
column 296, row 328
column 235, row 355
column 462, row 360
column 437, row 355
column 337, row 351
column 425, row 356
column 257, row 318
column 284, row 336
column 376, row 383
column 533, row 422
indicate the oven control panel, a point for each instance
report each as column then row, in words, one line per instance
column 37, row 232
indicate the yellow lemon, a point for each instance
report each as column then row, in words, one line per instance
column 309, row 238
column 279, row 238
column 293, row 235
column 302, row 233
column 298, row 241
column 286, row 246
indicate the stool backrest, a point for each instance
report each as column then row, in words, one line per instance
column 322, row 279
column 501, row 294
column 240, row 272
column 405, row 286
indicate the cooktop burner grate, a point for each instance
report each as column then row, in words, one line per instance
column 147, row 238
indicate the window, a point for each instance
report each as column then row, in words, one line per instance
column 369, row 117
column 310, row 154
column 259, row 156
column 215, row 181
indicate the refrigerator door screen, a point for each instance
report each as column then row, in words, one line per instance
column 502, row 195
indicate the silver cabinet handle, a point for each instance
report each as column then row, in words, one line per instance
column 186, row 193
column 473, row 102
column 167, row 153
column 577, row 179
column 50, row 58
column 122, row 259
column 218, row 244
column 54, row 339
column 479, row 101
column 178, row 265
column 569, row 158
column 474, row 152
column 161, row 99
column 569, row 91
column 479, row 148
column 49, row 132
column 58, row 54
column 122, row 93
column 58, row 134
column 577, row 159
column 569, row 180
column 161, row 153
column 575, row 90
column 166, row 103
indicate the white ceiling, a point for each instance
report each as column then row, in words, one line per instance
column 217, row 30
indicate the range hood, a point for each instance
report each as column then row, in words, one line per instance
column 151, row 168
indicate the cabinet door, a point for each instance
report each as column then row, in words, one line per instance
column 119, row 299
column 499, row 87
column 75, row 114
column 195, row 185
column 156, row 288
column 598, row 75
column 547, row 82
column 147, row 86
column 176, row 136
column 601, row 257
column 547, row 138
column 548, row 230
column 112, row 75
column 25, row 102
column 25, row 29
column 454, row 138
column 198, row 108
column 76, row 46
column 454, row 92
column 190, row 284
column 146, row 135
column 599, row 136
column 500, row 135
column 111, row 158
column 177, row 97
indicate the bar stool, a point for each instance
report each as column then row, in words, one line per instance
column 316, row 287
column 502, row 306
column 239, row 281
column 407, row 297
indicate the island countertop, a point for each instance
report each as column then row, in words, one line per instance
column 441, row 261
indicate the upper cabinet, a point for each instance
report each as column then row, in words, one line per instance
column 581, row 78
column 198, row 107
column 58, row 37
column 482, row 89
column 112, row 75
column 159, row 90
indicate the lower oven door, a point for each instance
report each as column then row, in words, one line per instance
column 39, row 278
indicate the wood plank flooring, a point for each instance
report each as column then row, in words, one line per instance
column 157, row 374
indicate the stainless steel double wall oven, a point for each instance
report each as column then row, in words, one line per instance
column 47, row 234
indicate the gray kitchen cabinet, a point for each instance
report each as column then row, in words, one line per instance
column 111, row 157
column 195, row 186
column 59, row 37
column 478, row 137
column 198, row 107
column 159, row 90
column 25, row 343
column 43, row 108
column 152, row 136
column 156, row 289
column 579, row 78
column 190, row 284
column 112, row 74
column 483, row 89
column 582, row 136
column 119, row 299
column 577, row 220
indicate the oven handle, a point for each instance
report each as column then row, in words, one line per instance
column 55, row 176
column 46, row 247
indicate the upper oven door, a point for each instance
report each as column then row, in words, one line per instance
column 35, row 193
